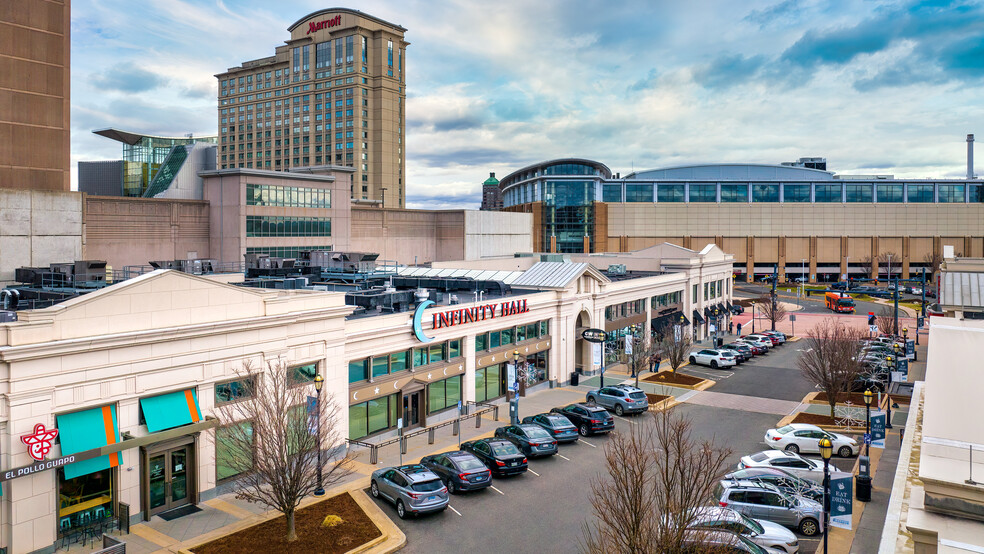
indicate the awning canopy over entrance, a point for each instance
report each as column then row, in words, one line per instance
column 86, row 430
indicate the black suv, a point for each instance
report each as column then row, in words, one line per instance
column 588, row 418
column 460, row 471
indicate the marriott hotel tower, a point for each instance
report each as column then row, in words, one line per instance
column 333, row 94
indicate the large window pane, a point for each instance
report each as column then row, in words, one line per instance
column 380, row 366
column 976, row 193
column 951, row 193
column 520, row 333
column 453, row 391
column 669, row 193
column 506, row 336
column 859, row 193
column 436, row 352
column 734, row 193
column 419, row 356
column 480, row 385
column 454, row 348
column 494, row 339
column 828, row 193
column 481, row 342
column 357, row 371
column 765, row 192
column 611, row 193
column 493, row 379
column 638, row 193
column 305, row 373
column 544, row 330
column 889, row 193
column 920, row 192
column 795, row 193
column 435, row 396
column 398, row 361
column 378, row 414
column 229, row 455
column 703, row 193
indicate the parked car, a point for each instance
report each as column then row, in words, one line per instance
column 557, row 425
column 702, row 541
column 713, row 358
column 842, row 285
column 533, row 440
column 459, row 470
column 589, row 419
column 737, row 309
column 756, row 347
column 781, row 479
column 760, row 342
column 414, row 489
column 740, row 356
column 916, row 290
column 768, row 339
column 622, row 399
column 499, row 455
column 788, row 461
column 780, row 336
column 759, row 531
column 763, row 501
column 803, row 437
column 746, row 350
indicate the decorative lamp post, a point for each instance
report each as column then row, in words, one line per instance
column 629, row 347
column 888, row 391
column 826, row 450
column 319, row 382
column 905, row 333
column 867, row 419
column 514, row 420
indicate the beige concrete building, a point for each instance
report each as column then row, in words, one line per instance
column 35, row 95
column 38, row 227
column 334, row 93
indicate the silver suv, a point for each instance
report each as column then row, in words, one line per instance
column 413, row 488
column 622, row 399
column 759, row 500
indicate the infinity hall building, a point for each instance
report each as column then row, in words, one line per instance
column 333, row 94
column 799, row 216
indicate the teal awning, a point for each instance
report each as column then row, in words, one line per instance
column 88, row 430
column 170, row 410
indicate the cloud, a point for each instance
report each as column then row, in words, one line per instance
column 783, row 11
column 646, row 83
column 728, row 70
column 127, row 77
column 465, row 157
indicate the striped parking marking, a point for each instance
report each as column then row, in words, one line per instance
column 625, row 420
column 587, row 443
column 533, row 472
column 564, row 457
column 453, row 510
column 497, row 490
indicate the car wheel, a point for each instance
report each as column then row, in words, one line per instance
column 591, row 400
column 583, row 430
column 374, row 489
column 451, row 487
column 845, row 452
column 809, row 527
column 618, row 410
column 402, row 511
column 792, row 448
column 693, row 360
column 714, row 364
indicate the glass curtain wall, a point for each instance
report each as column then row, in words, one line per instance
column 568, row 215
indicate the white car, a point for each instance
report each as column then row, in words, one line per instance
column 803, row 437
column 759, row 531
column 799, row 466
column 714, row 358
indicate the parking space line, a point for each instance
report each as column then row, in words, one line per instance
column 564, row 457
column 497, row 490
column 453, row 510
column 625, row 420
column 587, row 443
column 533, row 472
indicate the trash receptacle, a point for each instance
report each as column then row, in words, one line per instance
column 719, row 342
column 575, row 378
column 862, row 488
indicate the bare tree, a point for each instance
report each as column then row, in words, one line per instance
column 865, row 264
column 773, row 311
column 832, row 359
column 890, row 264
column 674, row 345
column 269, row 438
column 933, row 261
column 641, row 357
column 657, row 477
column 886, row 321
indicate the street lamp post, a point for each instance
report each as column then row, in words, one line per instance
column 888, row 390
column 826, row 450
column 803, row 282
column 514, row 419
column 630, row 348
column 867, row 420
column 319, row 382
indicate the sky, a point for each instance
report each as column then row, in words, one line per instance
column 876, row 87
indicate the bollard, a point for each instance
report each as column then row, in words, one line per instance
column 495, row 412
column 403, row 445
column 430, row 436
column 373, row 455
column 454, row 427
column 478, row 420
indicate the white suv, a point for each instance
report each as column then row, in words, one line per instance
column 714, row 358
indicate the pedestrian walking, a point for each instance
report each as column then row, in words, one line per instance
column 731, row 327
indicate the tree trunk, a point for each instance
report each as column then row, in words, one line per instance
column 291, row 533
column 832, row 404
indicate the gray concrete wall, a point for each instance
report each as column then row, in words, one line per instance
column 38, row 228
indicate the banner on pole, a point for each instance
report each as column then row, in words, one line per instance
column 841, row 499
column 878, row 429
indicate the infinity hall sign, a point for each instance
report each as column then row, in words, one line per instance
column 450, row 318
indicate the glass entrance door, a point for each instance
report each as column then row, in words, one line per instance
column 168, row 479
column 411, row 409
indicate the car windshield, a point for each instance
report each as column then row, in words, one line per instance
column 751, row 523
column 535, row 432
column 469, row 463
column 751, row 546
column 785, row 429
column 761, row 456
column 504, row 449
column 637, row 395
column 427, row 486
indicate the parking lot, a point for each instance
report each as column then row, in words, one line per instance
column 545, row 508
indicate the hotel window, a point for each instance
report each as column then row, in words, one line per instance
column 734, row 193
column 233, row 391
column 889, row 193
column 951, row 193
column 765, row 192
column 795, row 192
column 338, row 52
column 638, row 193
column 322, row 54
column 920, row 192
column 703, row 193
column 828, row 193
column 297, row 59
column 349, row 49
column 669, row 193
column 389, row 54
column 365, row 50
column 306, row 56
column 443, row 394
column 859, row 193
column 373, row 416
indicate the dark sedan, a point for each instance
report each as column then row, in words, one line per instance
column 460, row 471
column 557, row 425
column 533, row 440
column 739, row 355
column 499, row 455
column 745, row 349
column 589, row 419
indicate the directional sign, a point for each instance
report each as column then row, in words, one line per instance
column 867, row 438
column 792, row 317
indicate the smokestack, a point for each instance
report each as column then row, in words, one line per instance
column 970, row 156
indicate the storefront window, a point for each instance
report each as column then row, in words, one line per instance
column 380, row 366
column 481, row 342
column 229, row 456
column 505, row 337
column 443, row 394
column 419, row 356
column 454, row 348
column 358, row 370
column 544, row 328
column 488, row 383
column 85, row 498
column 305, row 373
column 234, row 390
column 373, row 416
column 493, row 340
column 436, row 352
column 535, row 368
column 520, row 333
column 398, row 361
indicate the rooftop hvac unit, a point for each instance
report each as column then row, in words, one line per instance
column 616, row 269
column 7, row 316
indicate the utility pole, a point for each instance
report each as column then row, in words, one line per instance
column 895, row 297
column 775, row 279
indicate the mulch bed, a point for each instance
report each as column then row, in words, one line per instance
column 670, row 378
column 857, row 399
column 815, row 419
column 656, row 398
column 270, row 536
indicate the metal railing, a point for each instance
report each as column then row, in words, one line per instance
column 431, row 431
column 111, row 545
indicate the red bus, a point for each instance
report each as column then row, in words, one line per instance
column 840, row 302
